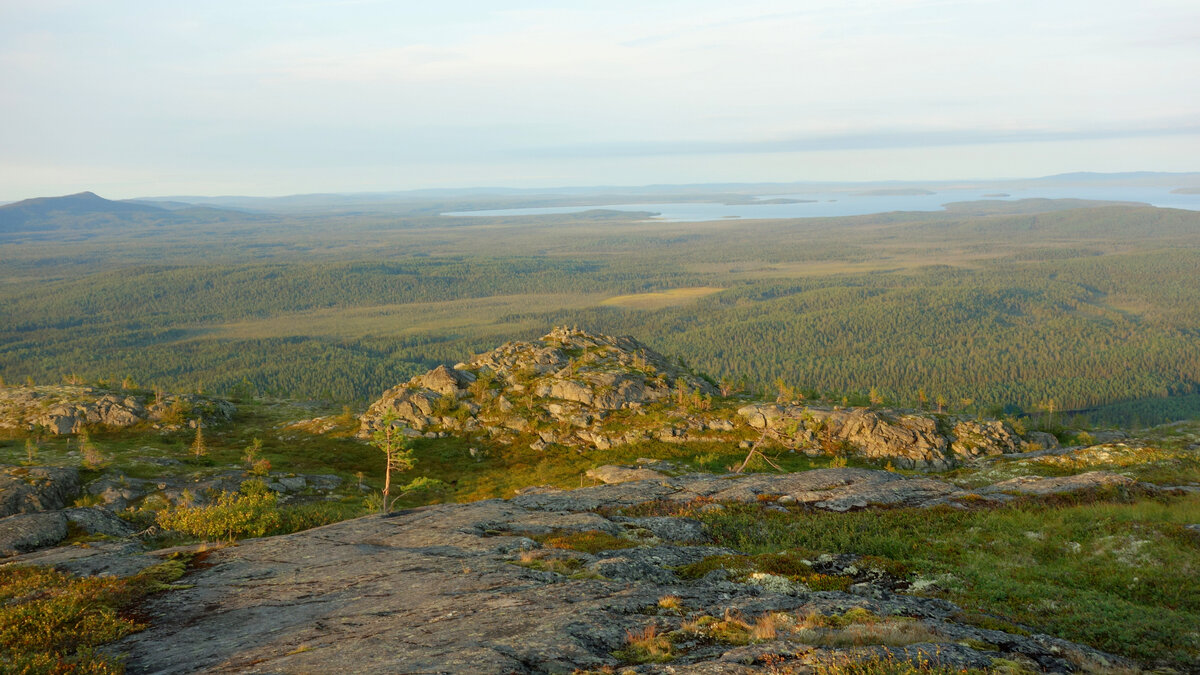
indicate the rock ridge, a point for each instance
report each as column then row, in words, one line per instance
column 67, row 409
column 576, row 389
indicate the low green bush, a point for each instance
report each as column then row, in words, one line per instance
column 250, row 512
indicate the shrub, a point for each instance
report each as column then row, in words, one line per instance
column 315, row 514
column 51, row 622
column 587, row 541
column 250, row 512
column 261, row 467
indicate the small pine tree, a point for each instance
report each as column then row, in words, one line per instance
column 922, row 398
column 92, row 457
column 682, row 392
column 727, row 387
column 199, row 448
column 875, row 397
column 398, row 455
column 252, row 452
column 941, row 403
column 128, row 383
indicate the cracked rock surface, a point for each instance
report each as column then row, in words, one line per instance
column 465, row 588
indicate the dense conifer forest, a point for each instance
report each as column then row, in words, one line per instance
column 1078, row 309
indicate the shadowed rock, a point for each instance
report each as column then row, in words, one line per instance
column 36, row 488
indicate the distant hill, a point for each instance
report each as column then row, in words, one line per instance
column 1129, row 178
column 501, row 197
column 87, row 211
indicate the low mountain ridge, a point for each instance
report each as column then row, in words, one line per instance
column 87, row 211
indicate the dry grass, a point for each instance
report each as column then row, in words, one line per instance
column 892, row 633
column 646, row 646
column 478, row 314
column 671, row 298
column 765, row 628
column 671, row 603
column 587, row 541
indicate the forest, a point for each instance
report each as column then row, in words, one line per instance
column 1050, row 307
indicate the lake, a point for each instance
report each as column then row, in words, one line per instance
column 826, row 204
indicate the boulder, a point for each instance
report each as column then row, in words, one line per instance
column 36, row 488
column 611, row 474
column 446, row 381
column 26, row 532
column 117, row 491
column 94, row 520
column 1047, row 441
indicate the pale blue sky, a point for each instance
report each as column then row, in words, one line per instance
column 161, row 97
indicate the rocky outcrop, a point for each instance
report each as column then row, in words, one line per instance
column 27, row 532
column 907, row 439
column 1034, row 485
column 28, row 489
column 561, row 388
column 68, row 409
column 468, row 588
column 581, row 390
column 30, row 531
column 612, row 474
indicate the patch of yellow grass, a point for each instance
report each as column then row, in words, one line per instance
column 671, row 298
column 670, row 603
column 479, row 314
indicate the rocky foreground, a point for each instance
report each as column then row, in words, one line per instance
column 468, row 588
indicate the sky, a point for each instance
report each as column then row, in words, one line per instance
column 155, row 97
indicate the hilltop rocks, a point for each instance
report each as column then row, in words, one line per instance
column 67, row 409
column 576, row 389
column 909, row 440
column 467, row 588
column 568, row 382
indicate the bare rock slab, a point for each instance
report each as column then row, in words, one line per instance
column 465, row 588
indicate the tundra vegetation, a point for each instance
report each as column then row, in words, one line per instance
column 1063, row 323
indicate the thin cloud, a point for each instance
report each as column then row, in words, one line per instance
column 880, row 140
